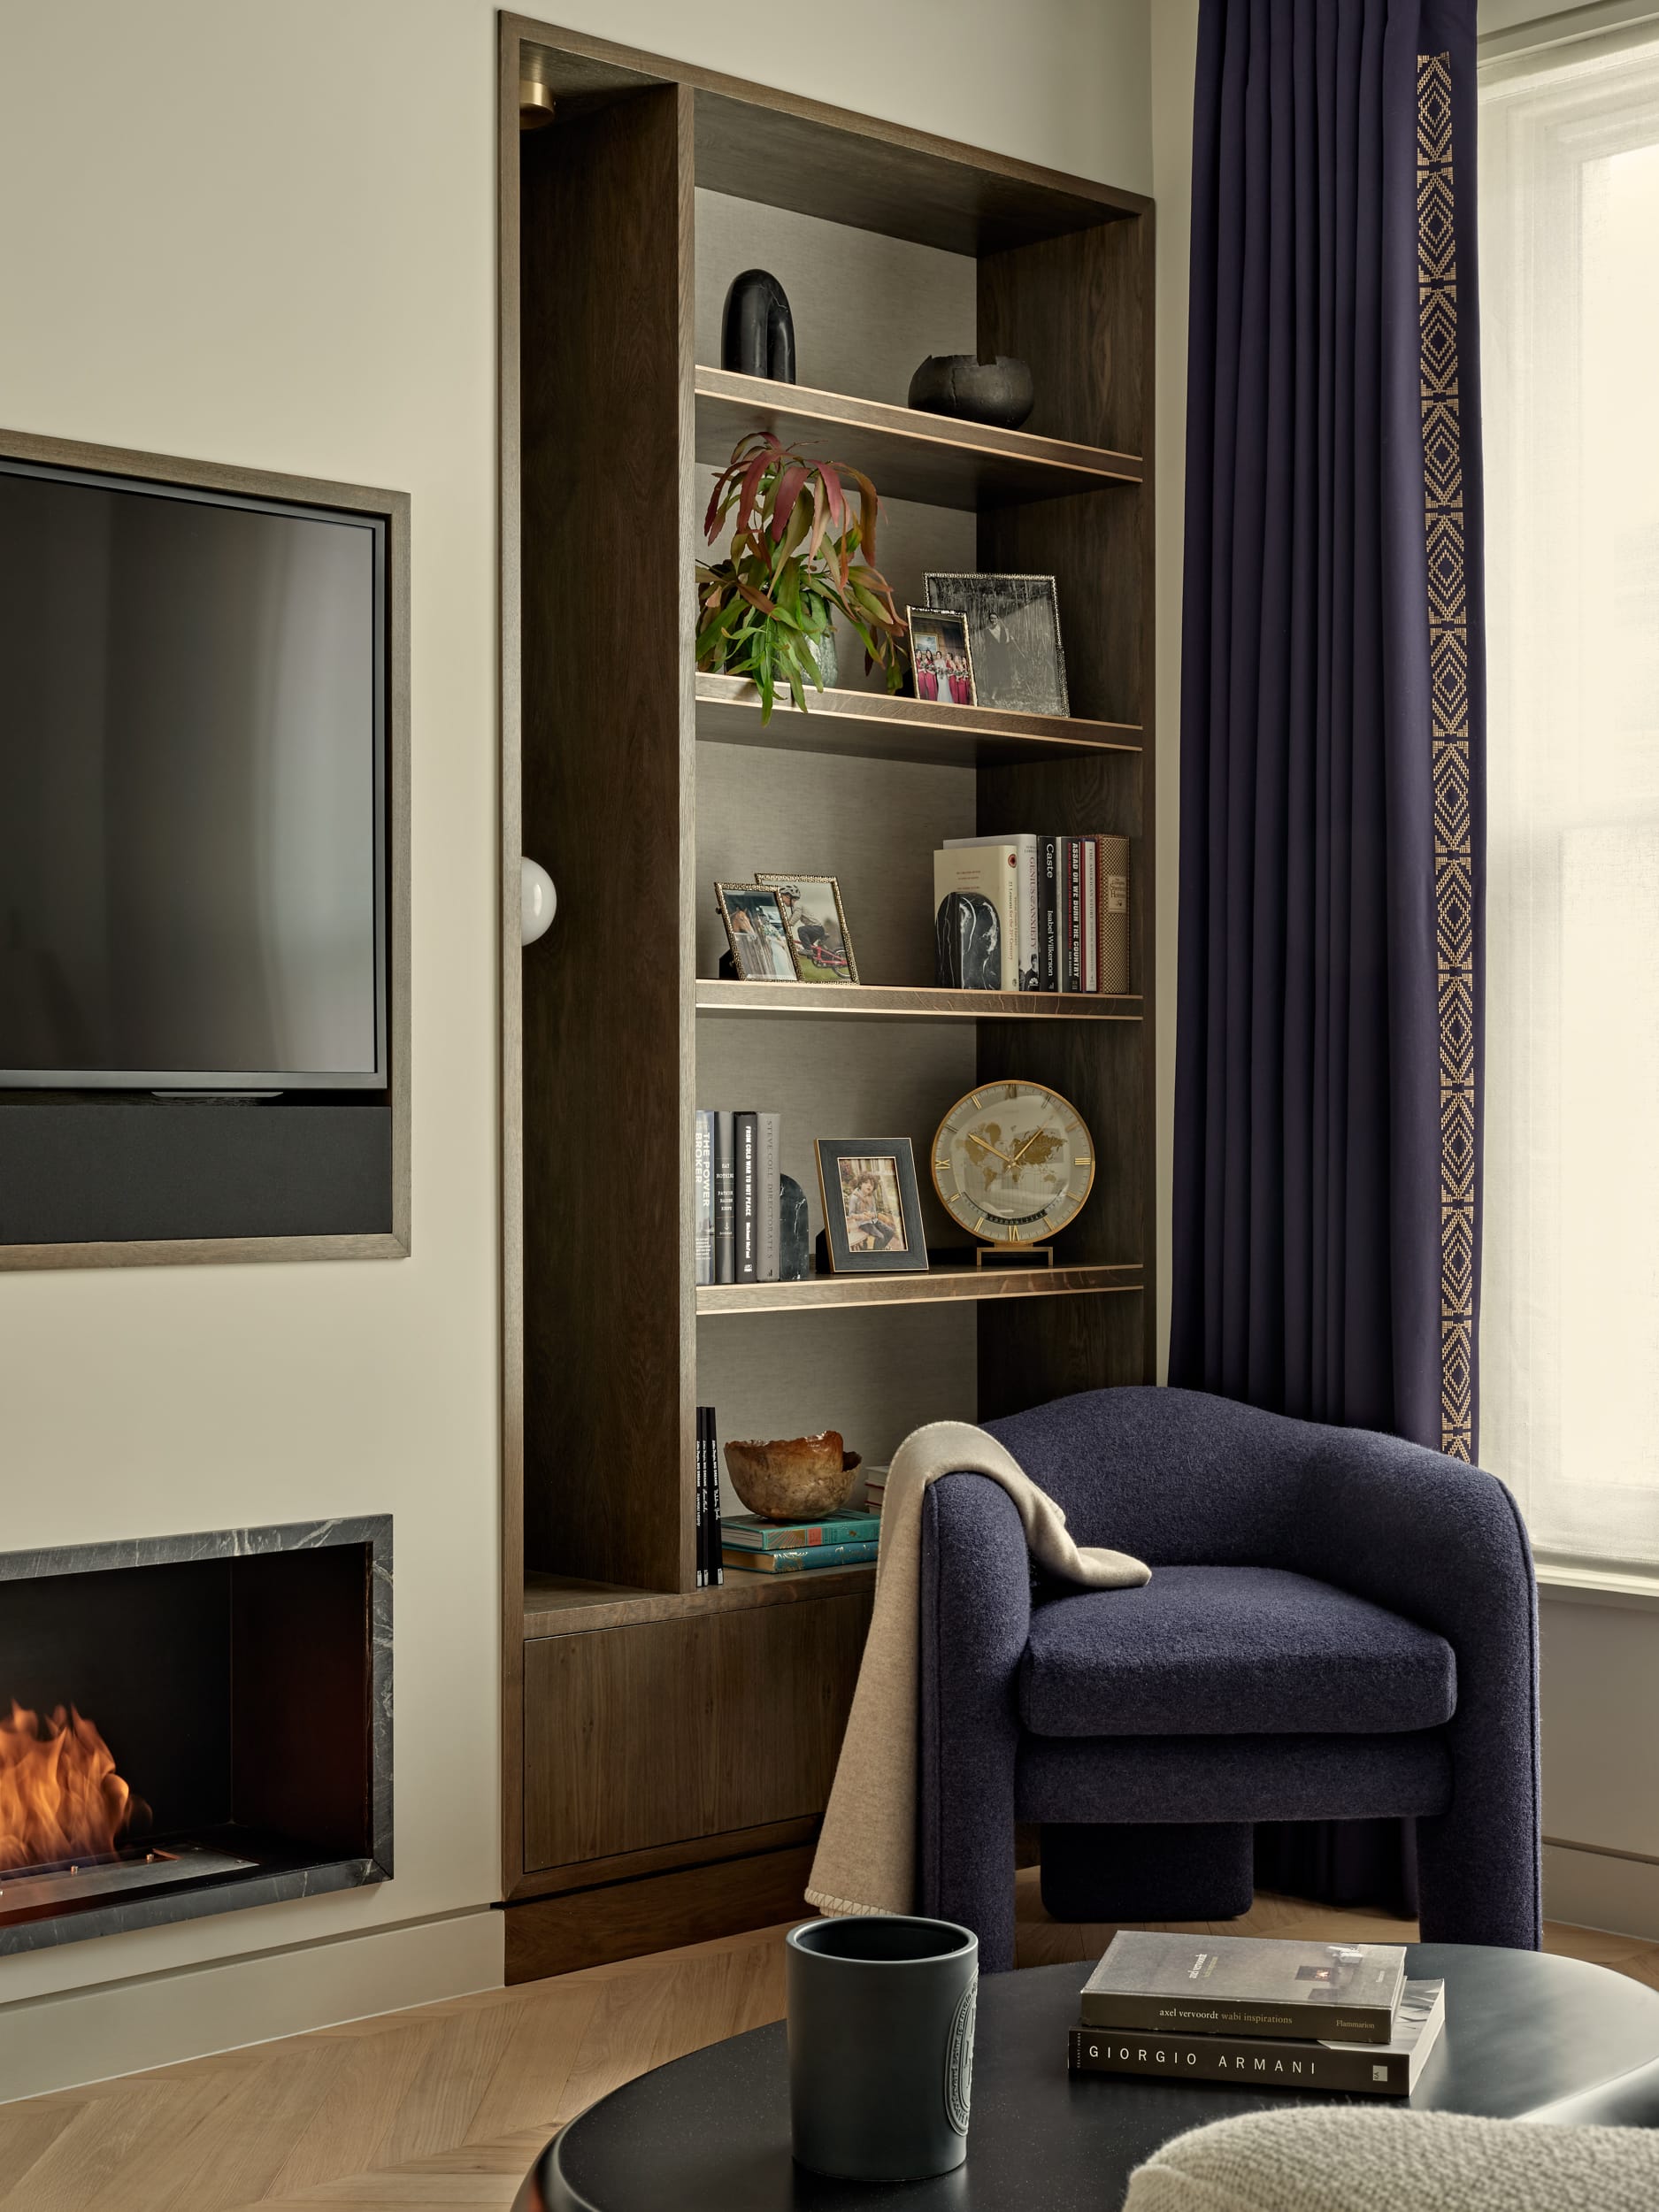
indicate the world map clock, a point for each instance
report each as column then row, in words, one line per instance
column 1013, row 1164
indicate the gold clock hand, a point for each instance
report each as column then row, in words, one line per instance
column 984, row 1146
column 1025, row 1148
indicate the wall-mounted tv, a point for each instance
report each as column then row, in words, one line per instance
column 192, row 788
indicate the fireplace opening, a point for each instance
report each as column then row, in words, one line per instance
column 181, row 1735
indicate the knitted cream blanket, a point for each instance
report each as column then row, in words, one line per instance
column 1325, row 2158
column 866, row 1854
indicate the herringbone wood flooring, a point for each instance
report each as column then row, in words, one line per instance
column 441, row 2110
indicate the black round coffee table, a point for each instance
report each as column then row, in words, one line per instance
column 1526, row 2036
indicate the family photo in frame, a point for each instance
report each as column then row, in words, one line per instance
column 941, row 660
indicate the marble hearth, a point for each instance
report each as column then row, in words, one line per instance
column 192, row 1724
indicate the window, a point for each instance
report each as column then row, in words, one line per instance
column 1570, row 315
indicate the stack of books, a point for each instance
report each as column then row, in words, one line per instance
column 769, row 1548
column 1264, row 2014
column 739, row 1219
column 1062, row 905
column 875, row 1489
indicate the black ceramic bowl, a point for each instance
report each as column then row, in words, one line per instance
column 998, row 392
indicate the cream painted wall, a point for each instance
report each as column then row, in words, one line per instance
column 266, row 234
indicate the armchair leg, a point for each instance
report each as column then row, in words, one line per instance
column 1477, row 1883
column 1200, row 1871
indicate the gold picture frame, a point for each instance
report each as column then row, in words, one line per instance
column 759, row 943
column 806, row 926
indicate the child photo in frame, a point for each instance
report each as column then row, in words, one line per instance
column 940, row 657
column 872, row 1209
column 755, row 930
column 815, row 927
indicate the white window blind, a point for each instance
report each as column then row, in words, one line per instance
column 1570, row 321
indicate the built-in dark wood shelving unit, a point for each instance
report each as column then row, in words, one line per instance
column 907, row 1002
column 668, row 1750
column 878, row 726
column 911, row 456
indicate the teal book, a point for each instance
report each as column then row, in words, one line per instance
column 791, row 1563
column 747, row 1531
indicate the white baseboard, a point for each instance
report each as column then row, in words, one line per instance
column 85, row 2035
column 1601, row 1889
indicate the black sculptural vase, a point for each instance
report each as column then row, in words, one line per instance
column 999, row 391
column 794, row 1252
column 757, row 338
column 970, row 943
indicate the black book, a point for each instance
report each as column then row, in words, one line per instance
column 1047, row 913
column 725, row 1230
column 702, row 1496
column 1185, row 1985
column 715, row 1572
column 1071, row 916
column 746, row 1202
column 1363, row 2070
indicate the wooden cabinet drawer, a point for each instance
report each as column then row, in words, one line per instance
column 665, row 1730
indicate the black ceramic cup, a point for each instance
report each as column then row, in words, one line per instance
column 881, row 2045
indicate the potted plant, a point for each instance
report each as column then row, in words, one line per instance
column 798, row 556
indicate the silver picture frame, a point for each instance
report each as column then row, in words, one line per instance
column 1014, row 637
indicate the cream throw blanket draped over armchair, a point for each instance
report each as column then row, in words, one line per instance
column 866, row 1855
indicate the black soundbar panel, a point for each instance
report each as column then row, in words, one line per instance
column 126, row 1171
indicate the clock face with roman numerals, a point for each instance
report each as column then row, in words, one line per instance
column 1013, row 1161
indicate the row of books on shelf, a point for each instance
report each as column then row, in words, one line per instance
column 1029, row 911
column 1266, row 2013
column 739, row 1196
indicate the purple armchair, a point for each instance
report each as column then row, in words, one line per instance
column 1339, row 1625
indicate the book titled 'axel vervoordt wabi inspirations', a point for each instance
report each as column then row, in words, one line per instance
column 1327, row 1993
column 1364, row 2069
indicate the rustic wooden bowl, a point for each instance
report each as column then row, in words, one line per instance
column 794, row 1479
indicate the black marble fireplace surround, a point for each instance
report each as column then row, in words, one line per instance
column 243, row 1679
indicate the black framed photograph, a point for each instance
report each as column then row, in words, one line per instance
column 815, row 924
column 1014, row 634
column 942, row 660
column 873, row 1210
column 755, row 930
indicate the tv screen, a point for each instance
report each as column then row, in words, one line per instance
column 191, row 788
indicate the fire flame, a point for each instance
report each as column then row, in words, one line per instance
column 60, row 1797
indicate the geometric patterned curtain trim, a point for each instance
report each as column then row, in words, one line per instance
column 1448, row 666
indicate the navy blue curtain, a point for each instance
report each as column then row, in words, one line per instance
column 1326, row 1155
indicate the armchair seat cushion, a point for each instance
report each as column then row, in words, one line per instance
column 1213, row 1651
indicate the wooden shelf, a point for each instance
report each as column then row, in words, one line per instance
column 910, row 455
column 562, row 1605
column 940, row 1285
column 892, row 1001
column 877, row 726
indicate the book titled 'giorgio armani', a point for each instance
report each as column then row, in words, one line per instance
column 1389, row 2069
column 1327, row 1993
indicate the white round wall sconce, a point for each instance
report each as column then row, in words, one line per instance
column 538, row 900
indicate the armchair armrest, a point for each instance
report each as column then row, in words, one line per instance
column 1444, row 1544
column 976, row 1616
